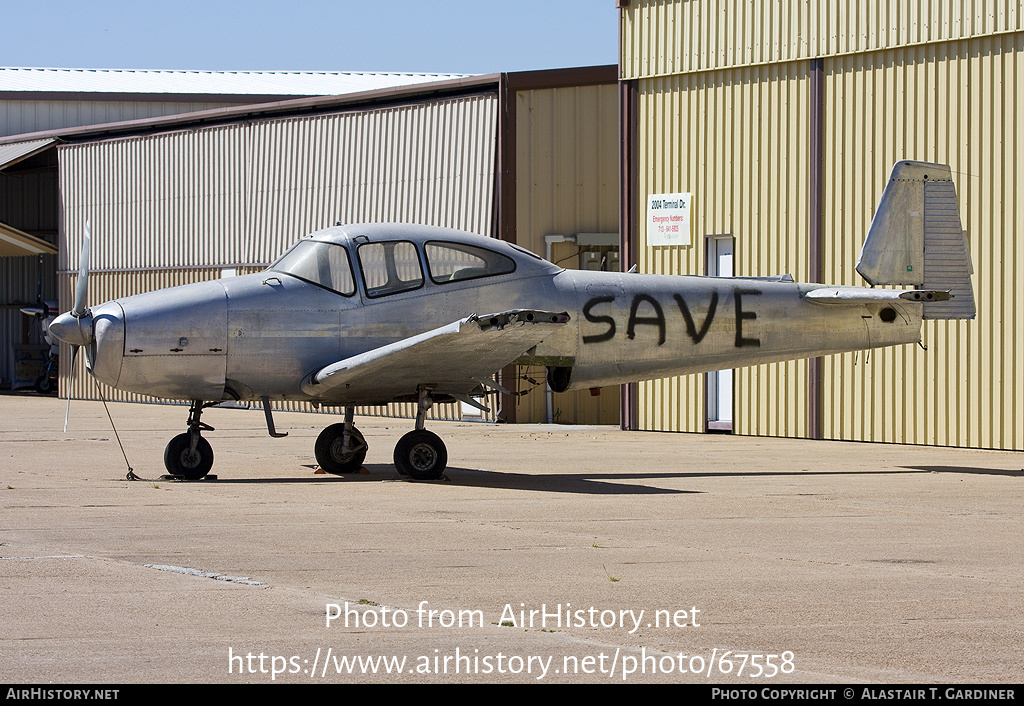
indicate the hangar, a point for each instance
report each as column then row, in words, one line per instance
column 35, row 102
column 528, row 157
column 782, row 120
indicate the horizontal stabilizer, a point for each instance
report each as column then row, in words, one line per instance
column 863, row 295
column 916, row 238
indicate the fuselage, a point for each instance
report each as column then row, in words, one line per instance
column 260, row 335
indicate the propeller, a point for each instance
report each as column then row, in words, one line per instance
column 76, row 327
column 82, row 286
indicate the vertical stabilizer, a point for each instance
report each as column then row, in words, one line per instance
column 916, row 238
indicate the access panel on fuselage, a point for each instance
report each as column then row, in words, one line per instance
column 281, row 328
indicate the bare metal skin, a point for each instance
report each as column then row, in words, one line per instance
column 368, row 314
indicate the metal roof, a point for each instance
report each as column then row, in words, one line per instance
column 284, row 83
column 15, row 243
column 13, row 153
column 265, row 110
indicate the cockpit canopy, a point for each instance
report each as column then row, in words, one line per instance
column 389, row 265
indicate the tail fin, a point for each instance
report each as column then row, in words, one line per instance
column 916, row 238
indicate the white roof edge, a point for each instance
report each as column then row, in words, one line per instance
column 194, row 81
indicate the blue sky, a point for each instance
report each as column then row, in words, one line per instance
column 459, row 36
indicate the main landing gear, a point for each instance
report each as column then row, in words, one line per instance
column 420, row 454
column 339, row 449
column 190, row 455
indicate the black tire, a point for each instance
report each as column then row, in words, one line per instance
column 44, row 385
column 329, row 450
column 180, row 461
column 421, row 455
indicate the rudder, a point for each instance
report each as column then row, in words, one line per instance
column 916, row 238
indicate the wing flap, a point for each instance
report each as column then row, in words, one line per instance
column 450, row 359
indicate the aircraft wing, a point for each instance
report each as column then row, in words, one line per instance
column 852, row 296
column 453, row 359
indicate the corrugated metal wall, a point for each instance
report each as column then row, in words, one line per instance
column 165, row 201
column 431, row 163
column 185, row 205
column 566, row 160
column 724, row 90
column 955, row 103
column 27, row 199
column 662, row 37
column 737, row 141
column 30, row 115
column 19, row 278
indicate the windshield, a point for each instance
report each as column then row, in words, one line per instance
column 323, row 264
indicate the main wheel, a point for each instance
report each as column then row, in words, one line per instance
column 330, row 450
column 180, row 460
column 421, row 454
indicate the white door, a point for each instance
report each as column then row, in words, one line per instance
column 719, row 384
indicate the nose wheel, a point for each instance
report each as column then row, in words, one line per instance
column 181, row 459
column 189, row 455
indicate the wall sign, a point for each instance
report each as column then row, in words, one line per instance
column 668, row 219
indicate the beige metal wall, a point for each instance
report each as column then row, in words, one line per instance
column 724, row 103
column 182, row 206
column 949, row 102
column 668, row 37
column 735, row 140
column 566, row 182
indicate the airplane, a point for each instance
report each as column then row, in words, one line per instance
column 369, row 314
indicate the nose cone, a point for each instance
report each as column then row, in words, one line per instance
column 101, row 332
column 72, row 330
column 108, row 342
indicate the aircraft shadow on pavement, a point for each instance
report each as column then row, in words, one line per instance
column 589, row 484
column 592, row 483
column 968, row 469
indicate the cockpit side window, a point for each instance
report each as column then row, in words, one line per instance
column 323, row 264
column 390, row 267
column 455, row 262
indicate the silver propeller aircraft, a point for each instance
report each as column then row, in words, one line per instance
column 376, row 313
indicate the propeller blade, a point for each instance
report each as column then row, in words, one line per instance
column 82, row 286
column 71, row 379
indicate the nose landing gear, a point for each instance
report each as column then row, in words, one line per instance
column 190, row 455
